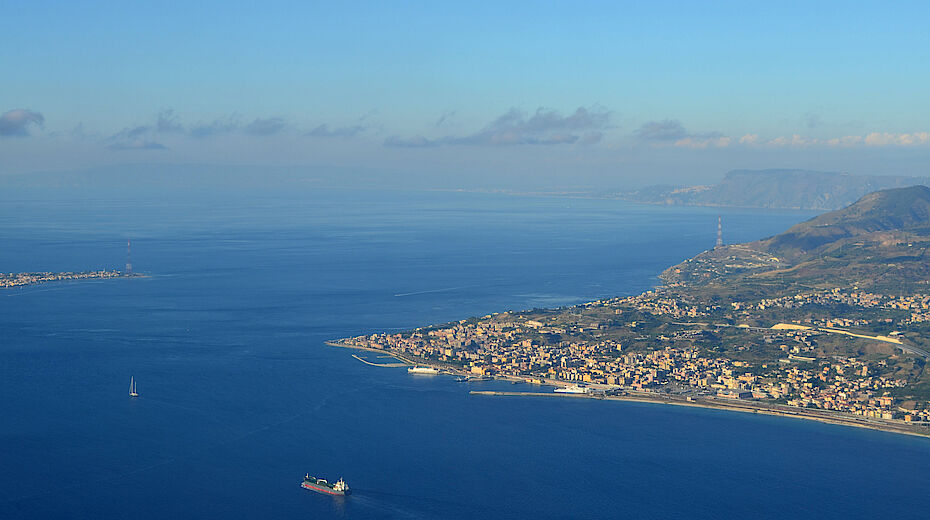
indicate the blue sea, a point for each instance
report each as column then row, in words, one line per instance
column 240, row 397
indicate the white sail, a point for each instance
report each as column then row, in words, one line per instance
column 132, row 387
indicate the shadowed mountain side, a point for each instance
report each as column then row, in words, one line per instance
column 881, row 241
column 901, row 209
column 785, row 189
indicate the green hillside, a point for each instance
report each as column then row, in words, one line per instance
column 900, row 209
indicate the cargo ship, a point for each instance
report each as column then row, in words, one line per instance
column 320, row 485
column 422, row 370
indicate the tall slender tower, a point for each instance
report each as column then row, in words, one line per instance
column 719, row 231
column 128, row 258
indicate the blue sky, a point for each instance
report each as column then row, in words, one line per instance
column 610, row 90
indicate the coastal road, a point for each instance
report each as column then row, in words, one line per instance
column 915, row 350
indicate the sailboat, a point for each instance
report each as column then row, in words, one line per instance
column 132, row 387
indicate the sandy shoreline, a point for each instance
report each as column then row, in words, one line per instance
column 734, row 406
column 744, row 407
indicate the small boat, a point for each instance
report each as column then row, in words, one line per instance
column 132, row 387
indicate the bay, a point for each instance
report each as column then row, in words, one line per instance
column 240, row 397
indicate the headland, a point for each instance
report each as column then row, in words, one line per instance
column 827, row 321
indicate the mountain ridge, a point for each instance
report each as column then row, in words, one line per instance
column 775, row 189
column 898, row 209
column 880, row 241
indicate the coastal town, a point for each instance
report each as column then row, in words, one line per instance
column 828, row 320
column 8, row 280
column 667, row 345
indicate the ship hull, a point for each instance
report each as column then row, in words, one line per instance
column 322, row 489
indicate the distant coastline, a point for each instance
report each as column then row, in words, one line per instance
column 792, row 190
column 11, row 280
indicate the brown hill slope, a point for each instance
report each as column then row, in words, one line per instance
column 879, row 242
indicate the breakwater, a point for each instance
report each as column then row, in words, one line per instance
column 386, row 365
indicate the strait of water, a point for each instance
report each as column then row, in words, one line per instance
column 240, row 397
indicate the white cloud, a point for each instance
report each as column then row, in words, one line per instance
column 845, row 142
column 699, row 142
column 888, row 139
column 874, row 139
column 543, row 127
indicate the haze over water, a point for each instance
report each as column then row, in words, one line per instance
column 240, row 397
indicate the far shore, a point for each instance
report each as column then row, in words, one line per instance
column 20, row 280
column 698, row 402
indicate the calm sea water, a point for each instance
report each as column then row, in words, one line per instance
column 240, row 397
